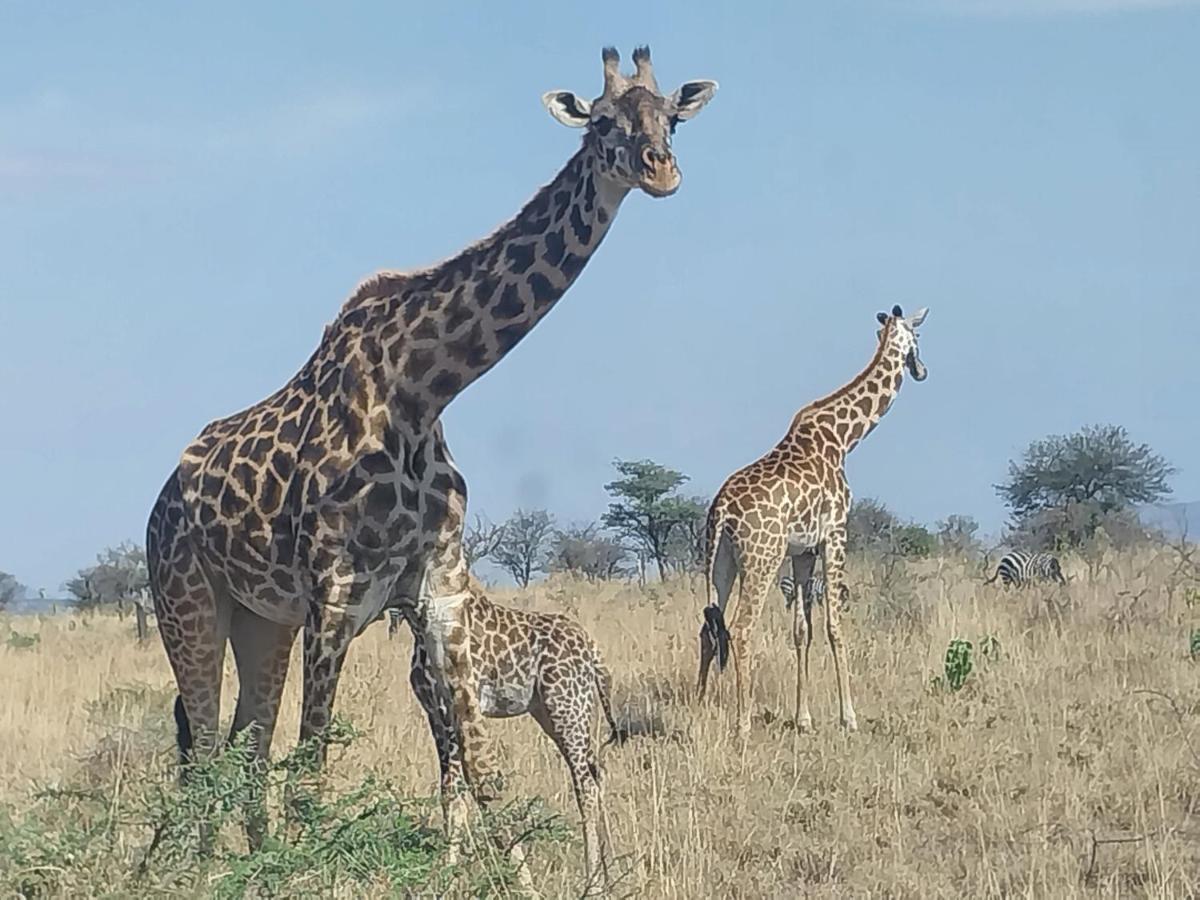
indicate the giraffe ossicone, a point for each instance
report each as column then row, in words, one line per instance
column 793, row 502
column 337, row 497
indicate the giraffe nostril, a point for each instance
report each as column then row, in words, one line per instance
column 653, row 159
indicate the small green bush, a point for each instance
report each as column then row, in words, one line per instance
column 135, row 831
column 958, row 664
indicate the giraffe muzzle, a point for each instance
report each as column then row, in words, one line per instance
column 660, row 175
column 916, row 368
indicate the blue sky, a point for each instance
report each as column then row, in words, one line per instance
column 186, row 198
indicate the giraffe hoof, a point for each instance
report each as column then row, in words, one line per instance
column 804, row 725
column 850, row 723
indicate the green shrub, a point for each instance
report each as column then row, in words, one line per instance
column 132, row 830
column 958, row 663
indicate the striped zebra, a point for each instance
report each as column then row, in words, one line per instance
column 814, row 591
column 1020, row 568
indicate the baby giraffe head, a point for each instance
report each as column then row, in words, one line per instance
column 629, row 126
column 901, row 332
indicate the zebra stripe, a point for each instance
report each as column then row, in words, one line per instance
column 814, row 591
column 1019, row 568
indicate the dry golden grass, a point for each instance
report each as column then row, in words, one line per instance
column 997, row 790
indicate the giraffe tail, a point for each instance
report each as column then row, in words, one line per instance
column 714, row 617
column 714, row 623
column 616, row 735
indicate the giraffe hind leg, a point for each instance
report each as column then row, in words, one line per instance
column 565, row 715
column 262, row 650
column 714, row 635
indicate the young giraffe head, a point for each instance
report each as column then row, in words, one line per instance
column 629, row 126
column 903, row 335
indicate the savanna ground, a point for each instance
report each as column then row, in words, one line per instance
column 1050, row 773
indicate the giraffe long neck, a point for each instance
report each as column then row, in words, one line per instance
column 440, row 329
column 850, row 413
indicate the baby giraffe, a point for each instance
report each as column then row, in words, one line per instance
column 543, row 664
column 793, row 503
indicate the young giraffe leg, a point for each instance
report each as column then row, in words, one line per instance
column 802, row 568
column 262, row 650
column 433, row 695
column 758, row 574
column 835, row 579
column 565, row 714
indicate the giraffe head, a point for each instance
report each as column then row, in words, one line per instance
column 629, row 126
column 903, row 335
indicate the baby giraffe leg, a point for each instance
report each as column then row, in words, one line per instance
column 567, row 721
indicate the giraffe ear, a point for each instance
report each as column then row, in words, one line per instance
column 918, row 317
column 882, row 317
column 571, row 110
column 691, row 96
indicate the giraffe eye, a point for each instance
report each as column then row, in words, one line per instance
column 603, row 125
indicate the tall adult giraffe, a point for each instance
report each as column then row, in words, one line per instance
column 793, row 502
column 336, row 496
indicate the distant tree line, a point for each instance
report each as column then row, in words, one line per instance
column 1064, row 492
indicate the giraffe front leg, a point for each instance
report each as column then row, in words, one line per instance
column 451, row 784
column 802, row 567
column 446, row 587
column 835, row 579
column 327, row 634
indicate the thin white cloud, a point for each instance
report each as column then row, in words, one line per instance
column 49, row 139
column 1025, row 8
column 308, row 124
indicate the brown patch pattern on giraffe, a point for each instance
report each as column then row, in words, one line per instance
column 792, row 503
column 336, row 496
column 542, row 664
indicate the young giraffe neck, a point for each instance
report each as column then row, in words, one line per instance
column 849, row 414
column 436, row 331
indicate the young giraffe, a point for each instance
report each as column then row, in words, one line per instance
column 334, row 497
column 793, row 502
column 524, row 662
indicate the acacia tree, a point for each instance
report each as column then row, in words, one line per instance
column 11, row 590
column 480, row 540
column 872, row 527
column 586, row 553
column 1065, row 487
column 646, row 509
column 685, row 546
column 522, row 548
column 956, row 534
column 119, row 576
